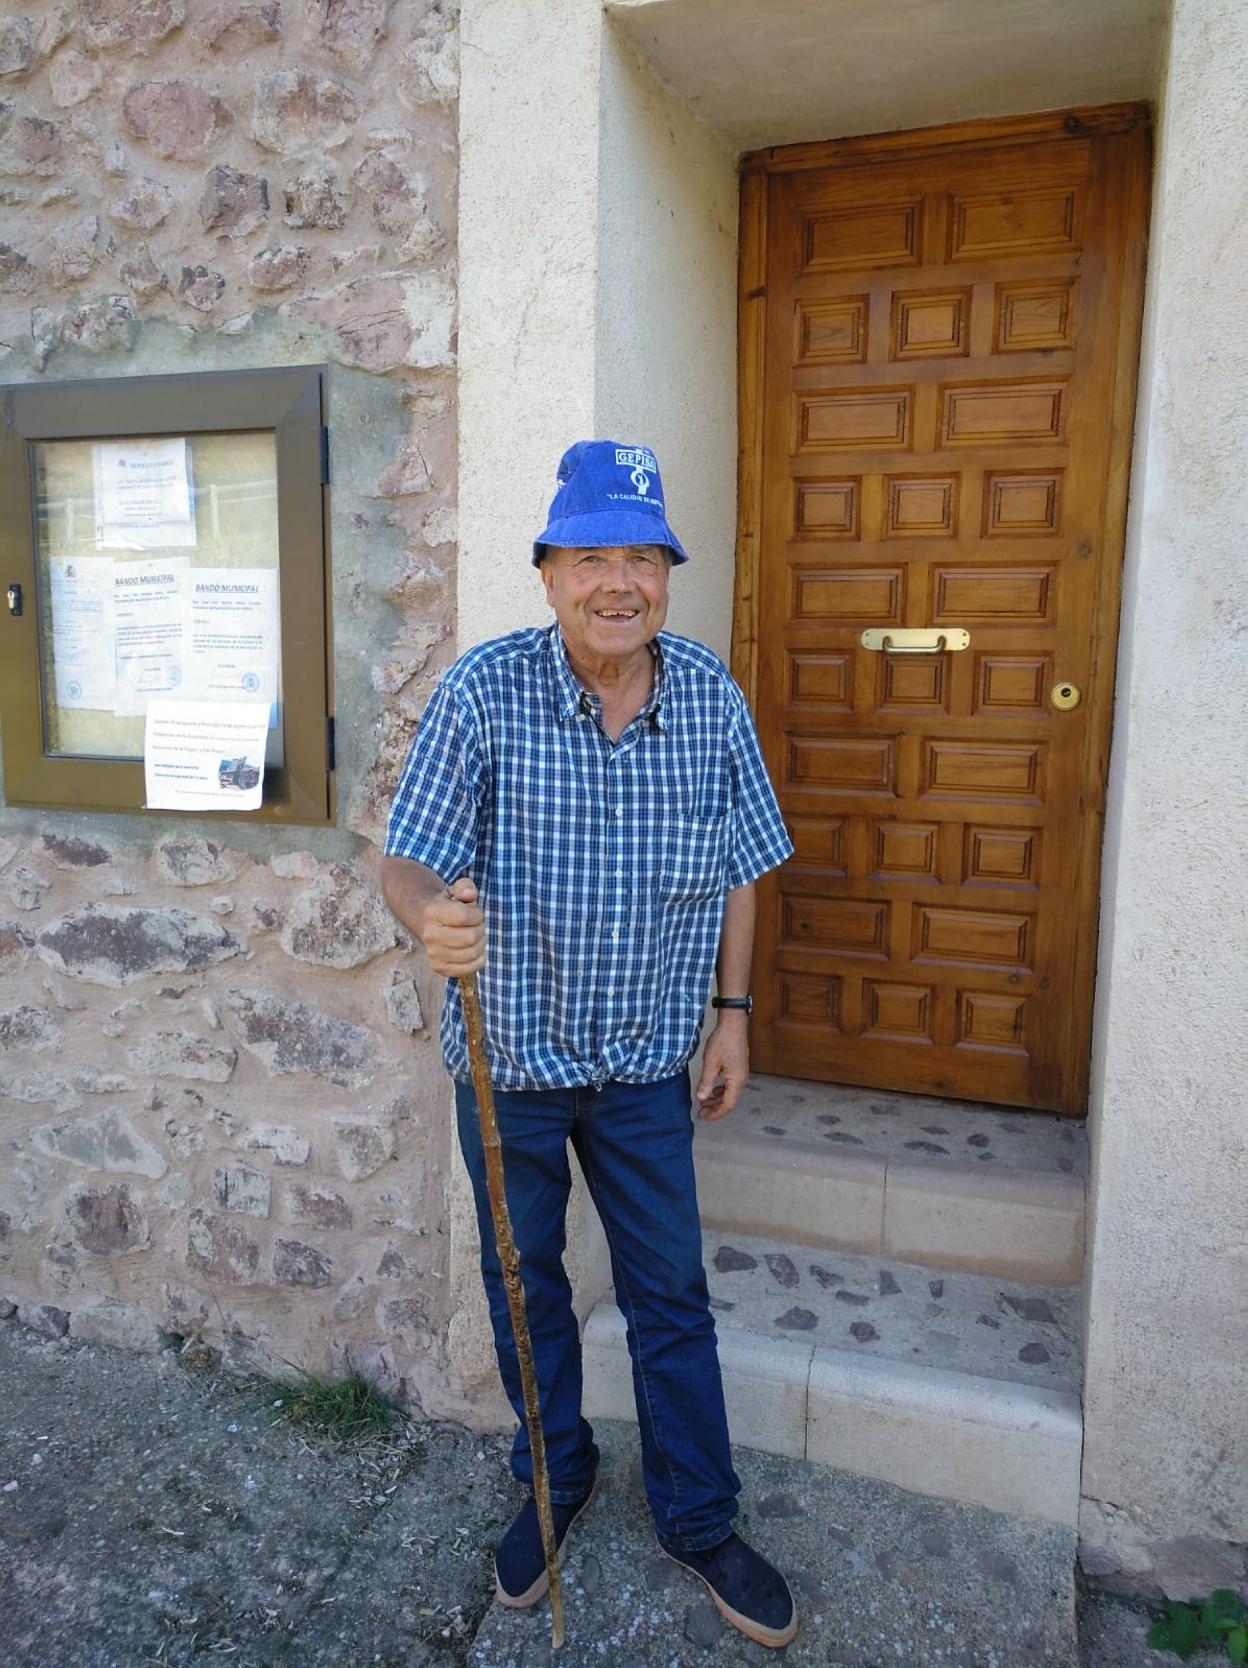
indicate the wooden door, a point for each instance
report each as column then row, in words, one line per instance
column 939, row 336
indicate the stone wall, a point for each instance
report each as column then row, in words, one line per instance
column 222, row 1116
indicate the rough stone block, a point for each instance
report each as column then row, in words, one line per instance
column 176, row 118
column 388, row 320
column 45, row 1318
column 289, row 1037
column 25, row 887
column 18, row 275
column 407, row 475
column 134, row 23
column 28, row 1027
column 119, row 1326
column 403, row 1003
column 111, row 944
column 239, row 1188
column 339, row 921
column 100, row 327
column 141, row 273
column 279, row 268
column 182, row 1054
column 107, row 1221
column 17, row 44
column 315, row 198
column 190, row 860
column 74, row 249
column 72, row 851
column 300, row 110
column 394, row 194
column 107, row 1141
column 297, row 1264
column 238, row 23
column 41, row 1086
column 282, row 1140
column 351, row 29
column 317, row 1207
column 362, row 1148
column 33, row 145
column 199, row 286
column 222, row 1247
column 94, row 1081
column 143, row 205
column 233, row 201
column 73, row 77
column 14, row 943
column 434, row 59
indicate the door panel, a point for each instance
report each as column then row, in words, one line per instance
column 939, row 347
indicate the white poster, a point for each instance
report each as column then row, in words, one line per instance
column 82, row 631
column 232, row 646
column 150, row 621
column 205, row 755
column 143, row 497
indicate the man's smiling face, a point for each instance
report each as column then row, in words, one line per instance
column 610, row 601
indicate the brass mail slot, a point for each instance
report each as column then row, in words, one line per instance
column 915, row 639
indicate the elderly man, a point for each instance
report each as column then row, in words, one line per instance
column 582, row 816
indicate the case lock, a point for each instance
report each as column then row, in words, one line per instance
column 1066, row 696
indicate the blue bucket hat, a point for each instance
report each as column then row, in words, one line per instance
column 607, row 494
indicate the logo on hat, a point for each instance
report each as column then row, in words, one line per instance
column 640, row 480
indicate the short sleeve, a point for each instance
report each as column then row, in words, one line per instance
column 760, row 839
column 435, row 813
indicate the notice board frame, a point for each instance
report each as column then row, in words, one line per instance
column 289, row 400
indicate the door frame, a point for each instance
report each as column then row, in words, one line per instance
column 757, row 169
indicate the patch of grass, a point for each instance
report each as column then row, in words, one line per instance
column 346, row 1409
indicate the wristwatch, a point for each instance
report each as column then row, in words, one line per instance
column 746, row 1002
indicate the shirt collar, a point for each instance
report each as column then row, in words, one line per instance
column 569, row 692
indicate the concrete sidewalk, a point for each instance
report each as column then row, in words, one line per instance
column 156, row 1513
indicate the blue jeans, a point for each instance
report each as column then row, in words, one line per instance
column 634, row 1142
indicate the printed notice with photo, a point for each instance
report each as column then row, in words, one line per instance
column 205, row 755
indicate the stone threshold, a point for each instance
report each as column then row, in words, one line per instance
column 954, row 1385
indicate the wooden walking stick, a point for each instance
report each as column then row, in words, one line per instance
column 509, row 1257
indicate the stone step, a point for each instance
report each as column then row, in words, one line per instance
column 880, row 1576
column 943, row 1184
column 943, row 1382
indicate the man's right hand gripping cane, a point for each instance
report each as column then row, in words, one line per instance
column 453, row 931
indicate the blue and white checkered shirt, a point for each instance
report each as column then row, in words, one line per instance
column 602, row 866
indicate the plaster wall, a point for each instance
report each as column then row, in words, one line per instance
column 666, row 320
column 1166, row 1399
column 528, row 230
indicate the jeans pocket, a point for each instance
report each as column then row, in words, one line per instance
column 693, row 859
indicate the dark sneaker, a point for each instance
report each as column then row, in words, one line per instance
column 748, row 1593
column 520, row 1577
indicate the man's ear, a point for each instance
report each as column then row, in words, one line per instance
column 546, row 569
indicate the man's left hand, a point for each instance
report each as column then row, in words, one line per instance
column 725, row 1067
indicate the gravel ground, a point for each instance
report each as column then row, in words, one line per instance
column 157, row 1513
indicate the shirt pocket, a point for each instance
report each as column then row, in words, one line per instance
column 694, row 863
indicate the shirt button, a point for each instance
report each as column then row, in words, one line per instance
column 619, row 810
